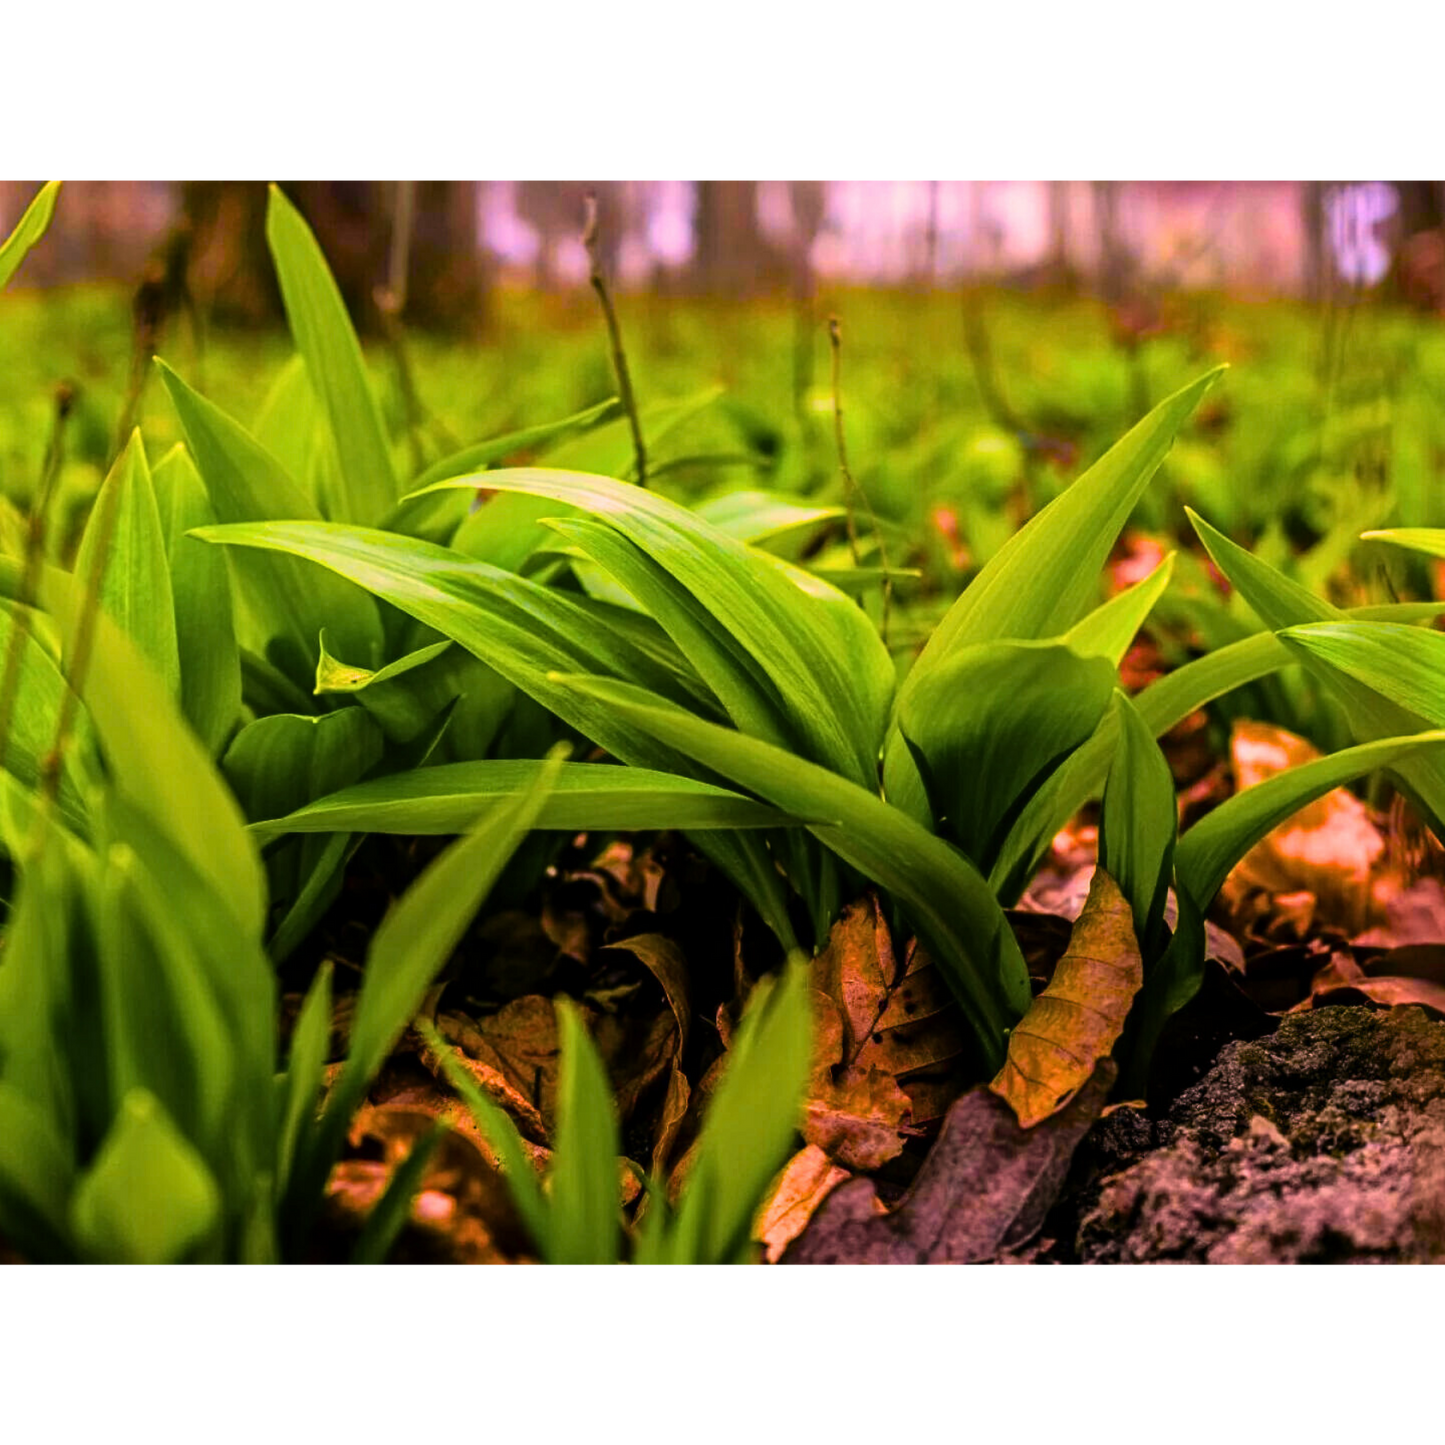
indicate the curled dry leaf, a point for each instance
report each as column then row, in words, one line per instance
column 1331, row 848
column 1403, row 976
column 664, row 960
column 1076, row 1021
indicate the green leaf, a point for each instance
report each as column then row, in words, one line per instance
column 148, row 1198
column 135, row 575
column 989, row 725
column 1404, row 664
column 832, row 674
column 1281, row 604
column 30, row 228
column 324, row 336
column 523, row 630
column 284, row 605
column 39, row 690
column 1162, row 705
column 436, row 518
column 735, row 678
column 750, row 1125
column 35, row 1180
column 943, row 895
column 210, row 664
column 585, row 797
column 1138, row 827
column 759, row 517
column 1041, row 579
column 583, row 1183
column 165, row 1031
column 1429, row 540
column 391, row 1212
column 283, row 762
column 159, row 764
column 1109, row 630
column 1219, row 840
column 305, row 1072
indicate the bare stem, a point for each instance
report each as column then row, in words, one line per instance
column 34, row 561
column 614, row 334
column 851, row 487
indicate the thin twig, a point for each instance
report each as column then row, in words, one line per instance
column 614, row 334
column 34, row 561
column 835, row 338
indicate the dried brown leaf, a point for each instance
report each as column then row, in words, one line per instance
column 1077, row 1020
column 804, row 1184
column 986, row 1186
column 1330, row 849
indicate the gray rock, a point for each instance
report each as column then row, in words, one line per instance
column 1324, row 1142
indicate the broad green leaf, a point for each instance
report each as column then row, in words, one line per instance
column 164, row 1029
column 148, row 1198
column 407, row 952
column 943, row 895
column 1138, row 827
column 832, row 674
column 738, row 681
column 210, row 664
column 750, row 1126
column 507, row 530
column 36, row 1178
column 583, row 1183
column 523, row 630
column 1042, row 578
column 292, row 426
column 287, row 604
column 1039, row 582
column 334, row 366
column 133, row 571
column 1109, row 630
column 45, row 1030
column 159, row 764
column 437, row 517
column 989, row 725
column 208, row 953
column 1162, row 705
column 30, row 228
column 1219, row 840
column 1404, row 664
column 1429, row 540
column 527, row 633
column 40, row 686
column 285, row 761
column 585, row 797
column 1280, row 604
column 759, row 517
column 496, row 1126
column 389, row 1215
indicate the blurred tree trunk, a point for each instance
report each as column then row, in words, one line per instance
column 732, row 256
column 231, row 269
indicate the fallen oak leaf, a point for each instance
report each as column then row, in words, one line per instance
column 1078, row 1018
column 987, row 1185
